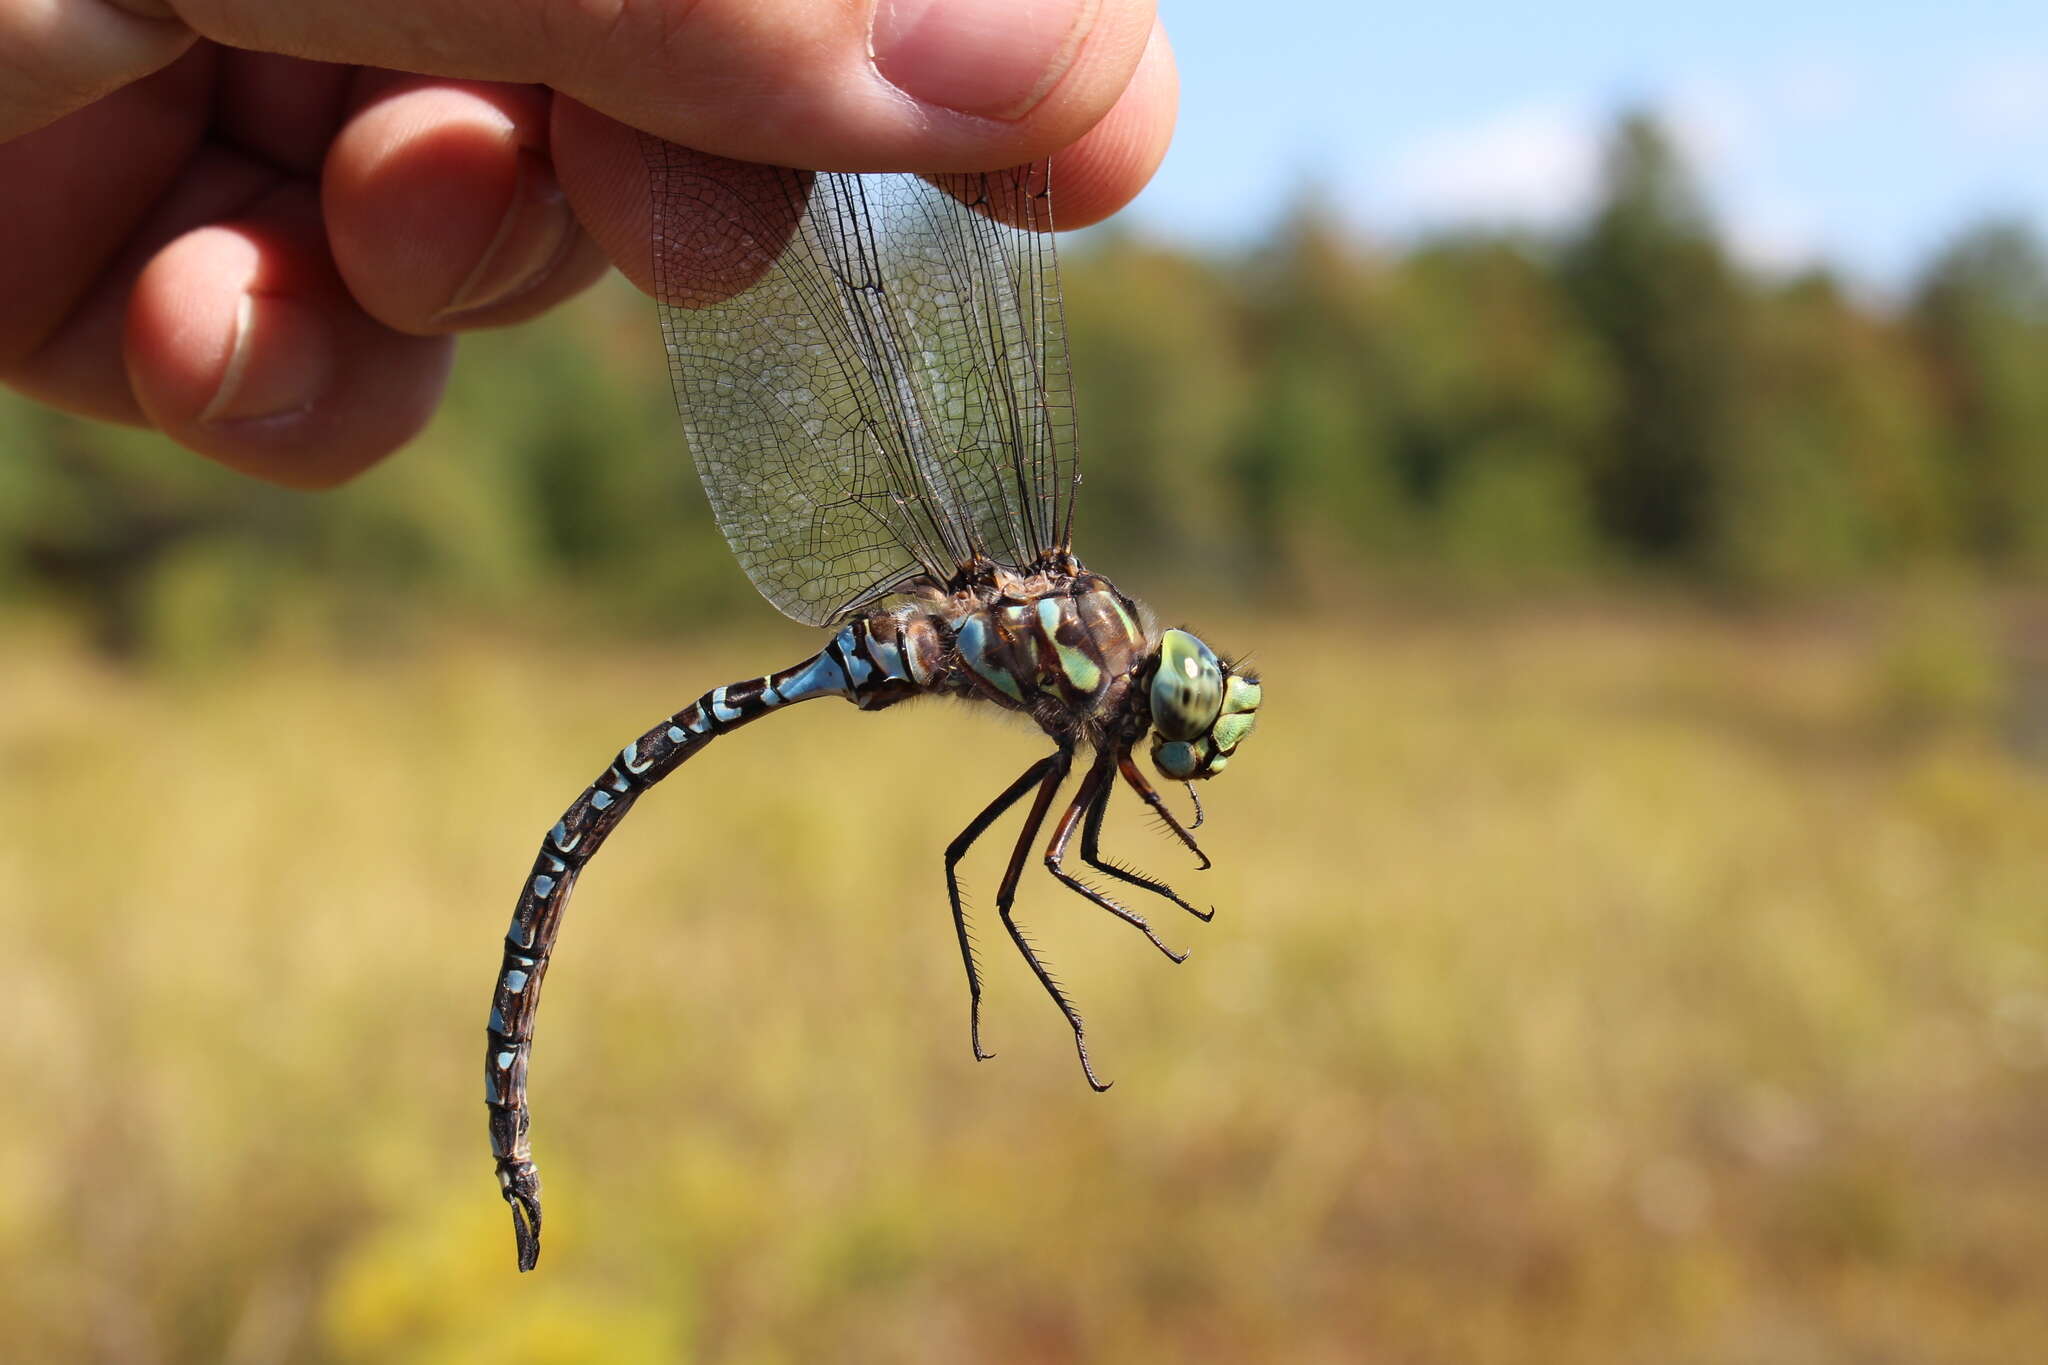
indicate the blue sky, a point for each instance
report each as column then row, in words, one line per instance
column 1862, row 134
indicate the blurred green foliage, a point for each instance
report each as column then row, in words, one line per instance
column 1622, row 400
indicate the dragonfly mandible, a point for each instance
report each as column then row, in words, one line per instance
column 872, row 376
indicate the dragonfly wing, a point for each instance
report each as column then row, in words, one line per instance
column 871, row 370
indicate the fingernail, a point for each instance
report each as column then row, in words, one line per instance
column 532, row 237
column 996, row 58
column 282, row 358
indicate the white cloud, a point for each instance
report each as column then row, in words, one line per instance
column 1713, row 124
column 1726, row 134
column 1538, row 165
column 1535, row 165
column 2006, row 98
column 1778, row 234
column 1815, row 92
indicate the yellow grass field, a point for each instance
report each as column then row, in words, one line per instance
column 1588, row 986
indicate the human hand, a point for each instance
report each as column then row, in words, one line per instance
column 258, row 227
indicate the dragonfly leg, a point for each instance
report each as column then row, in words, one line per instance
column 1091, row 854
column 957, row 850
column 1129, row 768
column 1048, row 787
column 1085, row 810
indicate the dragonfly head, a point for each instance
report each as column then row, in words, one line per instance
column 1202, row 708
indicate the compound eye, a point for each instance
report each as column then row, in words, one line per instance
column 1176, row 760
column 1187, row 688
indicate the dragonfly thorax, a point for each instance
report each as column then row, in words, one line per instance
column 1065, row 649
column 1083, row 660
column 1054, row 573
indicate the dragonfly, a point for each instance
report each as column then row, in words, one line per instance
column 872, row 375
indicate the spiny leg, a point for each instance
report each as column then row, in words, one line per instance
column 957, row 850
column 1006, row 897
column 1086, row 805
column 1195, row 797
column 1129, row 768
column 1091, row 854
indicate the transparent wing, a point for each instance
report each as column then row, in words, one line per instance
column 871, row 370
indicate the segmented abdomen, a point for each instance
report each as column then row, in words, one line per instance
column 874, row 662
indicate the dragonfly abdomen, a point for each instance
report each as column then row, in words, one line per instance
column 873, row 662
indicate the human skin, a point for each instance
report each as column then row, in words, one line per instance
column 258, row 228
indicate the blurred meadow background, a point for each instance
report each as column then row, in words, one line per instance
column 1633, row 933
